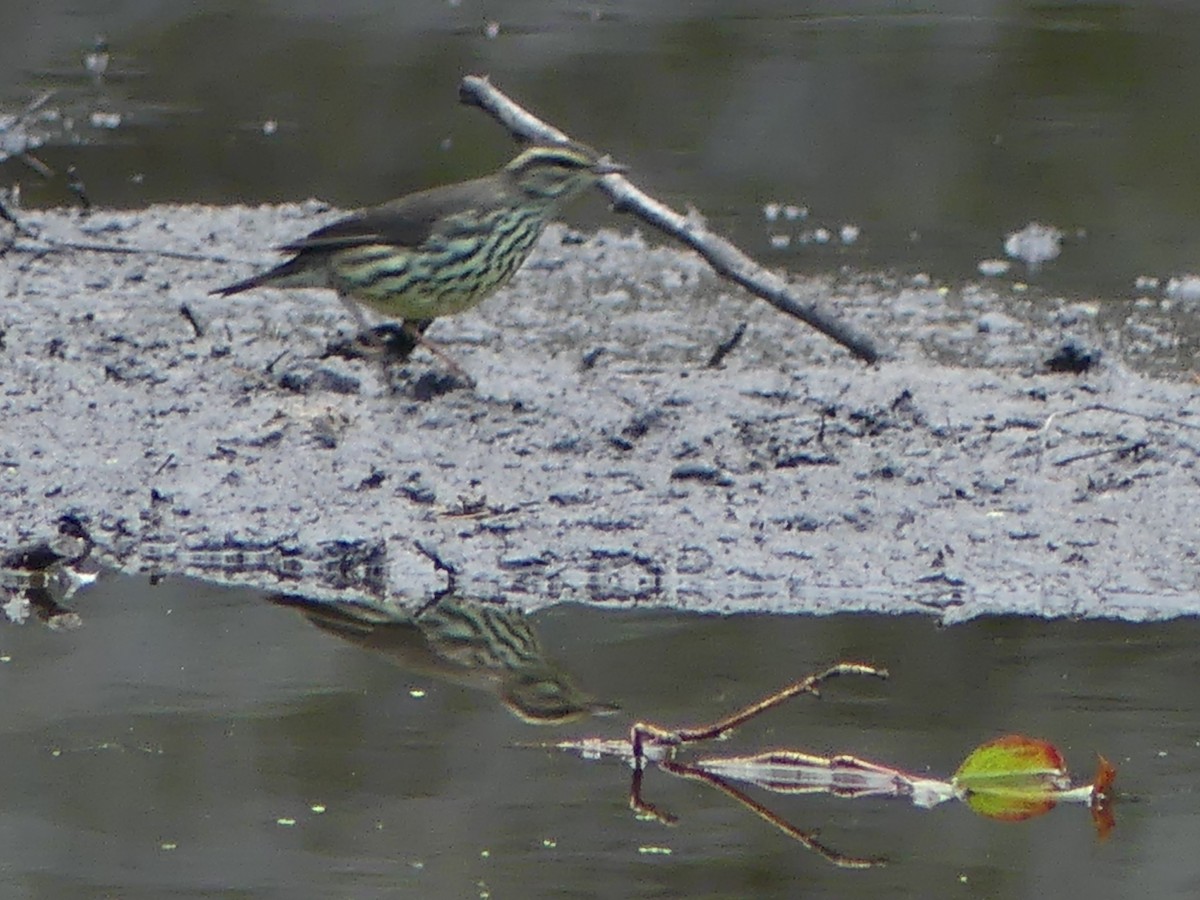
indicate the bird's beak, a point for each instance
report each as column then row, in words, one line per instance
column 606, row 166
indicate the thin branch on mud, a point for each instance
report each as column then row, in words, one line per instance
column 1155, row 418
column 1118, row 411
column 50, row 245
column 723, row 256
column 1131, row 449
column 726, row 346
column 190, row 317
column 19, row 227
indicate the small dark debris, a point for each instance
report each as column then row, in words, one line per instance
column 577, row 498
column 571, row 444
column 319, row 380
column 372, row 481
column 522, row 562
column 701, row 472
column 801, row 522
column 726, row 347
column 430, row 385
column 190, row 318
column 270, row 367
column 942, row 578
column 417, row 491
column 1073, row 359
column 591, row 358
column 324, row 439
column 609, row 524
column 270, row 439
column 795, row 460
column 903, row 402
column 640, row 425
column 1023, row 535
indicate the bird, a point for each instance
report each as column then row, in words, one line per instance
column 439, row 251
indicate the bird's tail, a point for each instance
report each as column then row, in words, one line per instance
column 238, row 286
column 296, row 272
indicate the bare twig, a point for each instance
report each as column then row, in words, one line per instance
column 726, row 346
column 722, row 255
column 1130, row 449
column 186, row 312
column 19, row 141
column 19, row 227
column 439, row 565
column 53, row 244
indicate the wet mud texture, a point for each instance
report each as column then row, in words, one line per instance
column 599, row 458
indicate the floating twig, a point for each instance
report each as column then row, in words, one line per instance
column 652, row 741
column 1011, row 778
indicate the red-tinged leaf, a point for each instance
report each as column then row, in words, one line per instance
column 1102, row 799
column 1011, row 806
column 1012, row 778
column 1013, row 760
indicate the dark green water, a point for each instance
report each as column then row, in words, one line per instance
column 154, row 751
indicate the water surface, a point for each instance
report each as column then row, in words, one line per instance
column 177, row 744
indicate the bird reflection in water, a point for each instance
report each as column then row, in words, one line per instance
column 478, row 644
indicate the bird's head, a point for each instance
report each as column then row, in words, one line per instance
column 553, row 173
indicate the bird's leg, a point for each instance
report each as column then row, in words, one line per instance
column 398, row 343
column 391, row 341
column 353, row 308
column 415, row 329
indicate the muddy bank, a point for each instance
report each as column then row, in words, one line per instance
column 598, row 458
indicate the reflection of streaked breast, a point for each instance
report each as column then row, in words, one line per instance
column 480, row 645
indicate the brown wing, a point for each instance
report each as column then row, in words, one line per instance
column 407, row 222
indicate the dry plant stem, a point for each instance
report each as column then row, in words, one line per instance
column 645, row 734
column 723, row 256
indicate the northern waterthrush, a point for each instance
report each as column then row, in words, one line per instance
column 442, row 250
